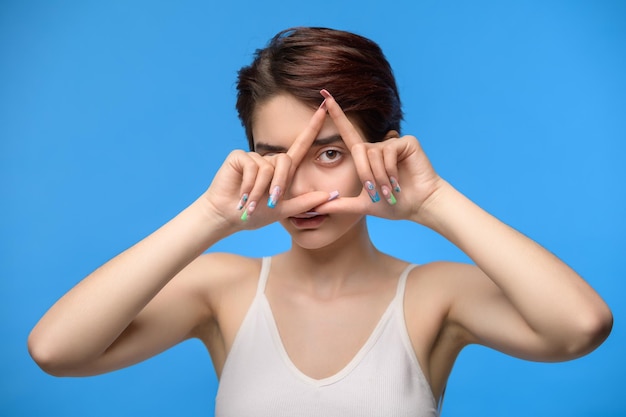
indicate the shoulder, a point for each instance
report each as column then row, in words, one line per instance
column 446, row 279
column 226, row 279
column 221, row 271
column 437, row 291
column 222, row 267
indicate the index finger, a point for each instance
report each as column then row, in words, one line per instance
column 348, row 132
column 305, row 139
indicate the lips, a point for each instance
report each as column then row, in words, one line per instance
column 308, row 220
column 307, row 215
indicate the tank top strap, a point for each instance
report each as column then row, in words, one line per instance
column 266, row 262
column 402, row 282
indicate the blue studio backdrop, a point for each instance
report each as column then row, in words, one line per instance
column 115, row 115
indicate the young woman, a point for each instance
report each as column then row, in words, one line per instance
column 333, row 326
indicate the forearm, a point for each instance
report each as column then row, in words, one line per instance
column 550, row 296
column 89, row 318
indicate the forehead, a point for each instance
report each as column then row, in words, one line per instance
column 279, row 120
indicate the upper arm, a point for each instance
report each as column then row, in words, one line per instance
column 488, row 317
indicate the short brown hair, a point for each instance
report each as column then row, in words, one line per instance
column 302, row 61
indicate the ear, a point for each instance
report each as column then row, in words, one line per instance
column 392, row 134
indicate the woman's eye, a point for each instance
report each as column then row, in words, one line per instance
column 330, row 155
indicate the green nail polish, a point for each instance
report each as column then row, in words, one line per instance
column 391, row 199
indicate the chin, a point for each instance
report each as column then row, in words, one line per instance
column 319, row 238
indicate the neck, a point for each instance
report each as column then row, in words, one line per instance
column 332, row 268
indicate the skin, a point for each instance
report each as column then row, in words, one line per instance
column 518, row 298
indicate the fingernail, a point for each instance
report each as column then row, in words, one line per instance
column 394, row 184
column 333, row 195
column 247, row 212
column 242, row 202
column 325, row 93
column 371, row 190
column 271, row 201
column 391, row 199
column 323, row 105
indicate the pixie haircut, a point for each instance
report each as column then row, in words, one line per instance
column 302, row 61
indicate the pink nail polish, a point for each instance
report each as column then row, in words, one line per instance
column 333, row 195
column 371, row 190
column 273, row 198
column 391, row 199
column 251, row 207
column 323, row 105
column 325, row 94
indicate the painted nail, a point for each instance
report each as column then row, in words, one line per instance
column 242, row 202
column 333, row 195
column 391, row 199
column 247, row 212
column 271, row 201
column 325, row 93
column 394, row 184
column 323, row 105
column 371, row 190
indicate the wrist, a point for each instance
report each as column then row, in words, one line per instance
column 211, row 222
column 440, row 204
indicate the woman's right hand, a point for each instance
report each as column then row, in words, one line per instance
column 116, row 315
column 247, row 188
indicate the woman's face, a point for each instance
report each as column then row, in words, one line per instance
column 327, row 166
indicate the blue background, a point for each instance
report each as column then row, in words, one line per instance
column 115, row 115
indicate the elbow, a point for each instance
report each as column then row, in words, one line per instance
column 49, row 359
column 590, row 332
column 42, row 355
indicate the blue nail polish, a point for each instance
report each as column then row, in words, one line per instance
column 242, row 202
column 271, row 201
column 394, row 184
column 371, row 190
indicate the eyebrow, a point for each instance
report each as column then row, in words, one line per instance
column 268, row 148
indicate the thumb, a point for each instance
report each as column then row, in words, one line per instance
column 360, row 204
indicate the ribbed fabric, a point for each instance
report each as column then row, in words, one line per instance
column 383, row 379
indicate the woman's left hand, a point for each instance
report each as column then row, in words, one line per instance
column 398, row 179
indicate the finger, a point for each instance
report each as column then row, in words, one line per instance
column 304, row 203
column 360, row 157
column 358, row 147
column 360, row 204
column 377, row 164
column 282, row 167
column 305, row 139
column 265, row 172
column 348, row 132
column 390, row 157
column 248, row 169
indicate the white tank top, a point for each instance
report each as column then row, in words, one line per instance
column 383, row 379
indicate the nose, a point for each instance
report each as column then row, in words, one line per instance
column 302, row 181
